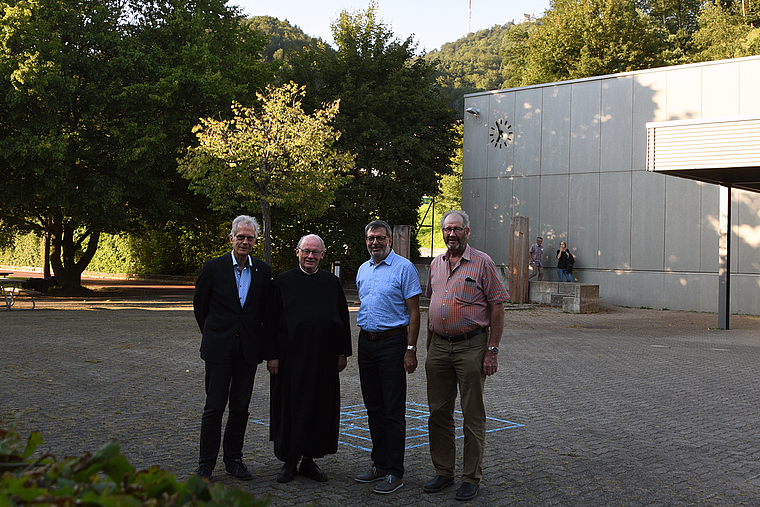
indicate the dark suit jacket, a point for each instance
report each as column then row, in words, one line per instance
column 219, row 315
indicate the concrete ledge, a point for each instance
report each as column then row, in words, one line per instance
column 557, row 299
column 573, row 297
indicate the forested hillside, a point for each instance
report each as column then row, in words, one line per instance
column 283, row 37
column 475, row 62
column 579, row 38
column 470, row 64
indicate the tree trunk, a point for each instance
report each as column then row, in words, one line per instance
column 266, row 235
column 266, row 212
column 46, row 265
column 64, row 245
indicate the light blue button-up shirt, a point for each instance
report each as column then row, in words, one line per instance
column 243, row 279
column 383, row 291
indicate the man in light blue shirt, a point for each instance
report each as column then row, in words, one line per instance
column 389, row 321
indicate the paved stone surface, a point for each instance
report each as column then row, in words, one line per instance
column 624, row 407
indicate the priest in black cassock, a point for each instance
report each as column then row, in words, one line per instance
column 313, row 339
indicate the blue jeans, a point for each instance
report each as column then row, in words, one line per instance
column 561, row 274
column 383, row 382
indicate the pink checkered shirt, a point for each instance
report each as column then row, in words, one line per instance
column 459, row 298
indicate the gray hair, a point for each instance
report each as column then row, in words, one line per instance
column 465, row 217
column 311, row 236
column 246, row 220
column 376, row 224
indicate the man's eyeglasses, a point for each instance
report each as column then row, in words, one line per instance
column 455, row 230
column 307, row 253
column 241, row 237
column 379, row 239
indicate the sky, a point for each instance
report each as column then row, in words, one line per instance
column 432, row 23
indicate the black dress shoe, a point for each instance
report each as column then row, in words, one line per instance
column 311, row 470
column 238, row 470
column 204, row 470
column 287, row 473
column 467, row 491
column 437, row 484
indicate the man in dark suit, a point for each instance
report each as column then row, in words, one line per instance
column 230, row 295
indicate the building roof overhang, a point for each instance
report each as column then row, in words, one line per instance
column 724, row 151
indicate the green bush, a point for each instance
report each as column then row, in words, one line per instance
column 114, row 254
column 25, row 250
column 178, row 250
column 170, row 250
column 104, row 478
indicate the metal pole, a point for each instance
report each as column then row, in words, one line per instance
column 432, row 228
column 724, row 252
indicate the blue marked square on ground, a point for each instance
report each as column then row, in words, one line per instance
column 354, row 426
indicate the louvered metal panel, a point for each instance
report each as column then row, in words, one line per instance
column 723, row 151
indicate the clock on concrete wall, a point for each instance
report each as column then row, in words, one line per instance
column 501, row 133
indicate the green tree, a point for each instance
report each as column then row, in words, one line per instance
column 725, row 32
column 393, row 118
column 99, row 97
column 278, row 156
column 582, row 38
column 516, row 53
column 283, row 37
column 678, row 17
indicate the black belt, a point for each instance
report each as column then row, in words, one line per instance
column 466, row 336
column 382, row 335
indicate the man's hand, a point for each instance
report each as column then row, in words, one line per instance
column 342, row 362
column 410, row 361
column 490, row 363
column 273, row 365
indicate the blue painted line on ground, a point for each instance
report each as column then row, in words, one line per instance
column 354, row 426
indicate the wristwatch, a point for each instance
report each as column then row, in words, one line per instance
column 493, row 350
column 413, row 348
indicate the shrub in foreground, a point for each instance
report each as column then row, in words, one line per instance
column 104, row 478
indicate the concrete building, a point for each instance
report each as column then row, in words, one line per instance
column 571, row 156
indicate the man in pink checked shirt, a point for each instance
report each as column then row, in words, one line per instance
column 466, row 302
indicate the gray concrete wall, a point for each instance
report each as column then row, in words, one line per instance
column 576, row 167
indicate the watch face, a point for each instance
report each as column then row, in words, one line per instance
column 501, row 134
